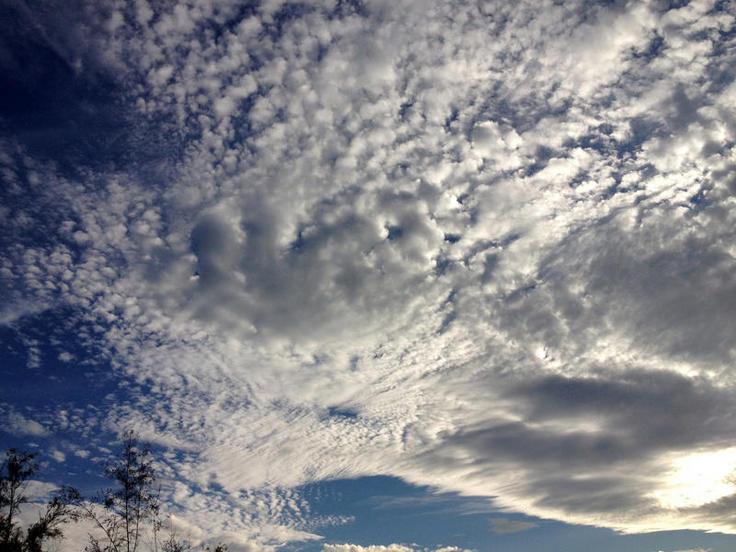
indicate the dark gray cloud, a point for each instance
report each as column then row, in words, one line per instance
column 656, row 409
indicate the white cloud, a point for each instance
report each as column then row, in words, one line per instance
column 499, row 236
column 18, row 424
column 384, row 548
column 58, row 455
column 38, row 490
column 691, row 550
column 65, row 356
column 371, row 548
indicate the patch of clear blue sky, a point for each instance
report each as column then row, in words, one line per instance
column 388, row 510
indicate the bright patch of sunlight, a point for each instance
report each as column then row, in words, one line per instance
column 699, row 478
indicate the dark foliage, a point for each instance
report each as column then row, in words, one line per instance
column 17, row 469
column 121, row 512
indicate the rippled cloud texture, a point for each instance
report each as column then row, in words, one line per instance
column 482, row 246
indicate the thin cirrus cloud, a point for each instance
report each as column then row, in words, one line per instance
column 499, row 236
column 505, row 526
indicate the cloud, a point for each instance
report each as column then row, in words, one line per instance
column 16, row 423
column 692, row 550
column 371, row 548
column 506, row 526
column 499, row 237
column 39, row 490
column 383, row 548
column 58, row 455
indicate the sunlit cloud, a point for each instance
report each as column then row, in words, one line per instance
column 482, row 247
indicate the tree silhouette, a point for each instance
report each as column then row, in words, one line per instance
column 17, row 469
column 63, row 508
column 121, row 512
column 173, row 544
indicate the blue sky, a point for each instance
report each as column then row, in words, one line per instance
column 378, row 276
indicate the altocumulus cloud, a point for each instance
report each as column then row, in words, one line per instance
column 499, row 234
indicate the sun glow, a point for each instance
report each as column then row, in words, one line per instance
column 699, row 478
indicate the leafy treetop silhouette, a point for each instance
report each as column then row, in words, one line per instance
column 17, row 470
column 121, row 515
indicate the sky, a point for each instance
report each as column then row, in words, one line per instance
column 378, row 275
